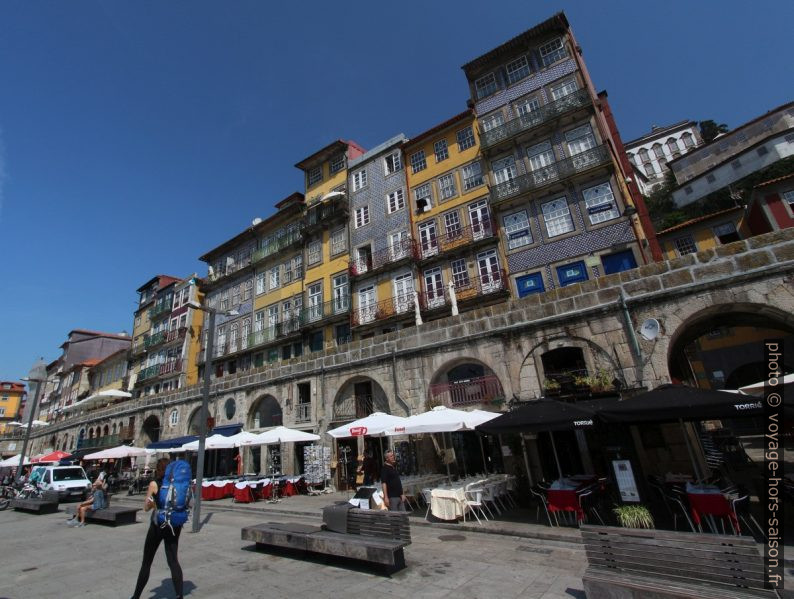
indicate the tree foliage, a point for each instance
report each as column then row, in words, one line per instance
column 710, row 129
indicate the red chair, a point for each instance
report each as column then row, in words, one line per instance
column 565, row 500
column 712, row 504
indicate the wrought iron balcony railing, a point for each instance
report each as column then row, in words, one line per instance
column 158, row 309
column 355, row 406
column 394, row 254
column 281, row 243
column 321, row 213
column 317, row 313
column 149, row 372
column 303, row 413
column 151, row 341
column 525, row 122
column 556, row 171
column 383, row 310
column 471, row 391
column 455, row 238
column 466, row 288
column 175, row 335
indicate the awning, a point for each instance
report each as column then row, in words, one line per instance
column 227, row 430
column 174, row 443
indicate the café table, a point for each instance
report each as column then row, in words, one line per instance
column 706, row 502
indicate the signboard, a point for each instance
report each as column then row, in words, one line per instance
column 624, row 476
column 358, row 431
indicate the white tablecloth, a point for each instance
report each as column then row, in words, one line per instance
column 447, row 504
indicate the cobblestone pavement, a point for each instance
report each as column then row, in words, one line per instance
column 43, row 558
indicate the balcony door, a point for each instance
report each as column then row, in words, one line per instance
column 366, row 304
column 428, row 239
column 504, row 173
column 434, row 285
column 579, row 141
column 480, row 219
column 488, row 269
column 315, row 302
column 341, row 294
column 398, row 246
column 541, row 163
column 403, row 293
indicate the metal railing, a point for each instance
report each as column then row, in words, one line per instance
column 322, row 213
column 556, row 171
column 151, row 340
column 466, row 288
column 97, row 442
column 171, row 366
column 533, row 119
column 293, row 237
column 384, row 309
column 455, row 238
column 312, row 314
column 471, row 391
column 149, row 372
column 355, row 406
column 159, row 309
column 176, row 334
column 405, row 249
column 303, row 413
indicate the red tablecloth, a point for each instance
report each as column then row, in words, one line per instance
column 213, row 491
column 244, row 494
column 711, row 504
column 565, row 500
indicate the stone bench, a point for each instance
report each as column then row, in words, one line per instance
column 636, row 564
column 47, row 504
column 110, row 515
column 373, row 536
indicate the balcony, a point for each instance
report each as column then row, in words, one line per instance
column 314, row 314
column 467, row 392
column 126, row 433
column 393, row 255
column 557, row 171
column 454, row 239
column 170, row 367
column 274, row 332
column 393, row 307
column 545, row 114
column 149, row 372
column 159, row 309
column 98, row 442
column 151, row 341
column 321, row 214
column 494, row 284
column 231, row 268
column 303, row 413
column 353, row 407
column 176, row 335
column 292, row 238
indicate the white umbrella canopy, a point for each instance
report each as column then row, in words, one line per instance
column 758, row 388
column 13, row 461
column 213, row 442
column 281, row 434
column 440, row 419
column 241, row 438
column 115, row 453
column 374, row 425
column 477, row 417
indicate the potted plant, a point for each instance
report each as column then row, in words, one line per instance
column 551, row 387
column 600, row 381
column 582, row 382
column 634, row 516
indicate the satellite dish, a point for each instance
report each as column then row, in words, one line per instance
column 256, row 221
column 650, row 329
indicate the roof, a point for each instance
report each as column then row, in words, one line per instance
column 162, row 281
column 559, row 22
column 111, row 356
column 775, row 180
column 468, row 113
column 379, row 149
column 99, row 334
column 15, row 386
column 327, row 152
column 659, row 132
column 90, row 362
column 700, row 219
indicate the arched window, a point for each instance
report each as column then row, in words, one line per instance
column 672, row 145
column 658, row 151
column 173, row 419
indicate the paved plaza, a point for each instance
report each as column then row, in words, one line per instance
column 44, row 558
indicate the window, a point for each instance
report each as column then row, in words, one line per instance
column 485, row 86
column 341, row 293
column 338, row 241
column 236, row 295
column 315, row 175
column 527, row 106
column 465, row 139
column 173, row 419
column 288, row 272
column 580, row 139
column 274, row 278
column 504, row 170
column 260, row 283
column 726, row 233
column 492, row 121
column 472, row 176
column 517, row 229
column 249, row 285
column 530, row 284
column 600, row 203
column 452, row 225
column 658, row 151
column 337, row 163
column 398, row 245
column 788, row 198
column 395, row 201
column 736, row 164
column 298, row 268
column 460, row 274
column 225, row 299
column 403, row 292
column 710, row 178
column 418, row 161
column 644, row 156
column 541, row 156
column 367, row 305
column 315, row 252
column 440, row 149
column 571, row 273
column 392, row 163
column 672, row 145
column 422, row 197
column 618, row 262
column 685, row 245
column 446, row 186
column 563, row 89
column 688, row 140
column 362, row 216
column 762, row 151
column 552, row 51
column 517, row 70
column 342, row 334
column 428, row 240
column 557, row 217
column 359, row 180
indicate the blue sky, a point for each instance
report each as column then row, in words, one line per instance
column 135, row 136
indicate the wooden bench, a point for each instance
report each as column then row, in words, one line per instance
column 636, row 564
column 373, row 536
column 47, row 504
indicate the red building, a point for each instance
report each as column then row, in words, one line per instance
column 771, row 206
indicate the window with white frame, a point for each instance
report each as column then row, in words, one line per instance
column 225, row 299
column 446, row 186
column 492, row 121
column 359, row 179
column 392, row 163
column 553, row 51
column 517, row 229
column 288, row 272
column 418, row 161
column 260, row 282
column 440, row 150
column 314, row 254
column 275, row 280
column 465, row 139
column 600, row 203
column 183, row 321
column 788, row 198
column 650, row 169
column 423, row 197
column 557, row 217
column 563, row 89
column 527, row 106
column 658, row 151
column 688, row 140
column 685, row 245
column 315, row 175
column 246, row 333
column 298, row 266
column 485, row 86
column 362, row 216
column 337, row 163
column 452, row 226
column 398, row 247
column 580, row 139
column 472, row 176
column 517, row 70
column 395, row 201
column 173, row 419
column 236, row 295
column 315, row 301
column 460, row 273
column 338, row 241
column 672, row 145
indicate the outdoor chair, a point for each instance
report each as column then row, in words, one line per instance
column 473, row 501
column 677, row 500
column 587, row 503
column 488, row 498
column 427, row 495
column 539, row 494
column 741, row 508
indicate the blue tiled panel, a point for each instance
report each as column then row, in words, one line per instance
column 530, row 84
column 570, row 247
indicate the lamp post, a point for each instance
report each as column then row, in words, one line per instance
column 205, row 399
column 38, row 375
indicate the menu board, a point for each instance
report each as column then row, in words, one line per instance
column 624, row 476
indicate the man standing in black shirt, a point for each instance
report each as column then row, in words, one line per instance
column 392, row 485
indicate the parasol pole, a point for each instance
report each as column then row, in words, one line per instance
column 446, row 462
column 695, row 467
column 526, row 459
column 556, row 457
column 482, row 451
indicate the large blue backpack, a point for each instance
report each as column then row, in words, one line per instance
column 174, row 495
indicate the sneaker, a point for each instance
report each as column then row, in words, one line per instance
column 72, row 522
column 79, row 525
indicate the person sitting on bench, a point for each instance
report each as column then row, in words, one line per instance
column 97, row 501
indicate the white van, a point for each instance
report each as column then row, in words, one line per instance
column 70, row 481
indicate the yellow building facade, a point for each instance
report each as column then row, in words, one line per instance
column 12, row 395
column 704, row 233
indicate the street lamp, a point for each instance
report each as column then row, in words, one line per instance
column 38, row 375
column 205, row 398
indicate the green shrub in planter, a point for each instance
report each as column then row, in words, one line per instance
column 634, row 516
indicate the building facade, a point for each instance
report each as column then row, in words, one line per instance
column 650, row 153
column 553, row 159
column 704, row 233
column 12, row 398
column 771, row 206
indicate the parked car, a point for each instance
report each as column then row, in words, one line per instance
column 70, row 482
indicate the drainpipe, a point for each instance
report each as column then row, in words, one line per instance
column 404, row 405
column 635, row 344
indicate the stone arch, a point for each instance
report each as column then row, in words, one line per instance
column 464, row 381
column 106, row 431
column 193, row 423
column 151, row 429
column 357, row 397
column 91, row 432
column 265, row 412
column 594, row 357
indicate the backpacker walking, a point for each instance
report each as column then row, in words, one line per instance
column 169, row 496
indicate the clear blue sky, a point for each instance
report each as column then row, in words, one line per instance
column 135, row 136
